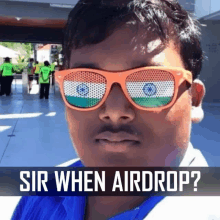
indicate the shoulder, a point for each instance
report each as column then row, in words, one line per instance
column 16, row 204
column 193, row 158
column 34, row 206
column 186, row 207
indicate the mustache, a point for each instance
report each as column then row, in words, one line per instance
column 123, row 128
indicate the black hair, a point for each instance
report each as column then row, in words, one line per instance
column 90, row 22
column 46, row 63
column 36, row 62
column 31, row 60
column 7, row 59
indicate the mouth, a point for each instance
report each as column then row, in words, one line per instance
column 117, row 142
column 117, row 146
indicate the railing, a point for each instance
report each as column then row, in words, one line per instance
column 25, row 86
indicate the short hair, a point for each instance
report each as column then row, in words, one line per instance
column 91, row 22
column 46, row 63
column 31, row 60
column 7, row 59
column 36, row 62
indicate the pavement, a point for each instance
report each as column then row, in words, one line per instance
column 34, row 132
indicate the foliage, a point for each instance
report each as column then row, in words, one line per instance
column 21, row 59
column 20, row 67
column 25, row 49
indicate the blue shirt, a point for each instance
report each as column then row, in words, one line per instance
column 72, row 207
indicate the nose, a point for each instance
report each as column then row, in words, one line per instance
column 117, row 109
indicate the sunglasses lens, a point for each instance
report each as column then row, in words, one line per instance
column 84, row 89
column 151, row 88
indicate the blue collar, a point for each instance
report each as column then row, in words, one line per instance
column 75, row 206
column 75, row 209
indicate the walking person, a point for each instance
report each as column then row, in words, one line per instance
column 7, row 71
column 37, row 71
column 30, row 73
column 45, row 72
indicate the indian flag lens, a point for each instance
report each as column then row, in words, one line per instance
column 151, row 88
column 84, row 89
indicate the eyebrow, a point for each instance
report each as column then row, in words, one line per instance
column 136, row 64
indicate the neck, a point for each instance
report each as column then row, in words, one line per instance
column 104, row 207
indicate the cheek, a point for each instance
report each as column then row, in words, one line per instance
column 81, row 125
column 169, row 125
column 72, row 121
column 179, row 118
column 181, row 111
column 75, row 124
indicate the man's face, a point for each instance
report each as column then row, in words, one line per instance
column 152, row 139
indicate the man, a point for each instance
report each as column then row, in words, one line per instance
column 30, row 71
column 45, row 72
column 7, row 70
column 37, row 71
column 131, row 93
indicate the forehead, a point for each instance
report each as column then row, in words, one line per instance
column 126, row 49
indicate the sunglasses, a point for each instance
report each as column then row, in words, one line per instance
column 147, row 88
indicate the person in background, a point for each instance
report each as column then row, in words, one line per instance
column 37, row 71
column 45, row 72
column 7, row 70
column 30, row 73
column 52, row 66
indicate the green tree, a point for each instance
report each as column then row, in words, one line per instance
column 26, row 49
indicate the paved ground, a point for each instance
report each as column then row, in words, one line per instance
column 34, row 132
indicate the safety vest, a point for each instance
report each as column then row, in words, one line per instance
column 37, row 70
column 7, row 69
column 52, row 66
column 45, row 74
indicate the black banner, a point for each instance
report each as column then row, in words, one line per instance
column 72, row 181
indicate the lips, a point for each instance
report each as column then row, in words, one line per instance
column 117, row 137
column 117, row 142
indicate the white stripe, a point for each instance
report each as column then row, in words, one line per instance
column 70, row 89
column 3, row 128
column 51, row 114
column 164, row 89
column 22, row 115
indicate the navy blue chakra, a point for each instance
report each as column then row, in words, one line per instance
column 82, row 89
column 150, row 89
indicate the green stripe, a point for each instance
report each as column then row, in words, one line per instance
column 146, row 102
column 152, row 102
column 82, row 102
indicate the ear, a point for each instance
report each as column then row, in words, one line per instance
column 198, row 93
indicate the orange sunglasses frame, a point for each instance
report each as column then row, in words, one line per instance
column 178, row 73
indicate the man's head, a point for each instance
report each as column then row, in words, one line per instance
column 46, row 63
column 36, row 62
column 122, row 35
column 7, row 59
